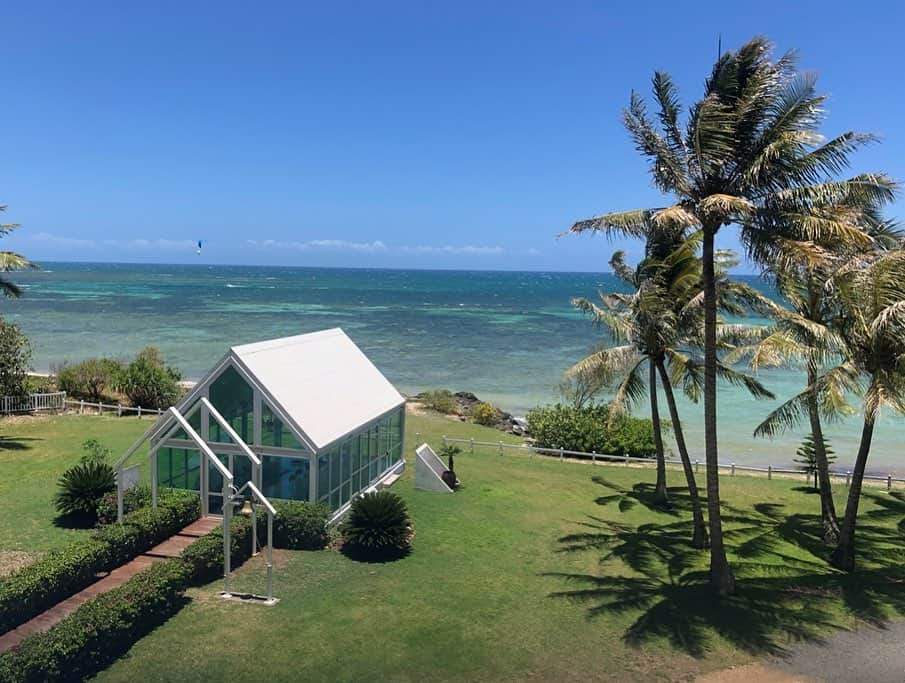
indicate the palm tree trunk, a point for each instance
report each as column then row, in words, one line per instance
column 721, row 577
column 699, row 538
column 827, row 507
column 660, row 493
column 843, row 556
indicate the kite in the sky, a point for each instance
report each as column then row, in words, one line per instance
column 199, row 247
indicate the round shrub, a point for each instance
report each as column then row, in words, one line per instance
column 81, row 488
column 484, row 414
column 591, row 429
column 377, row 527
column 440, row 400
column 149, row 382
column 136, row 497
column 296, row 526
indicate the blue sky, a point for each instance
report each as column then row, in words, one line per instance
column 450, row 135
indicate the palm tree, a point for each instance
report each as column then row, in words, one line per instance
column 749, row 155
column 656, row 324
column 10, row 261
column 806, row 331
column 803, row 331
column 872, row 323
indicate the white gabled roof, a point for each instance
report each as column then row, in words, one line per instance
column 322, row 380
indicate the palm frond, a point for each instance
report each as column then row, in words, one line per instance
column 618, row 224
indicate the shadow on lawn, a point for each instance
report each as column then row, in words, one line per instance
column 786, row 590
column 75, row 521
column 16, row 443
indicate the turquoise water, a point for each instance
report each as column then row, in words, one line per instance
column 506, row 336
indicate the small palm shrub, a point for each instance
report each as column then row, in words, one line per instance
column 378, row 527
column 450, row 451
column 81, row 488
column 807, row 456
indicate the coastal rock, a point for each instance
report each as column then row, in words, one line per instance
column 465, row 403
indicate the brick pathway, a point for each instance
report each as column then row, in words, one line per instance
column 171, row 547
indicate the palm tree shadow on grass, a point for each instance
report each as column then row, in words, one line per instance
column 786, row 591
column 16, row 443
column 645, row 495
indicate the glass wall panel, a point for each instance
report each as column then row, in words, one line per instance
column 275, row 433
column 323, row 476
column 285, row 478
column 346, row 474
column 234, row 400
column 373, row 454
column 333, row 454
column 179, row 468
column 353, row 447
column 241, row 469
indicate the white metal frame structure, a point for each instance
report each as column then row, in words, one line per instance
column 336, row 412
column 231, row 495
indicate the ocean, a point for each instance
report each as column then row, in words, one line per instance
column 506, row 336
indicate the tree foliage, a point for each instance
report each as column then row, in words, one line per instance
column 15, row 360
column 149, row 382
column 88, row 379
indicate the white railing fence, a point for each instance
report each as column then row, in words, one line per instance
column 33, row 403
column 594, row 458
column 99, row 408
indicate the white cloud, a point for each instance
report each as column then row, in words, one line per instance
column 336, row 245
column 449, row 249
column 376, row 246
column 79, row 243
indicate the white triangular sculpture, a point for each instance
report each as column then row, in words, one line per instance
column 429, row 471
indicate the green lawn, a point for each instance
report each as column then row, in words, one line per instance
column 34, row 452
column 535, row 569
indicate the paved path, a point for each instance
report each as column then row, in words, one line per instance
column 866, row 655
column 171, row 547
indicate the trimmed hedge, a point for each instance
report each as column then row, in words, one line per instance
column 205, row 556
column 35, row 588
column 296, row 526
column 103, row 629
column 62, row 573
column 138, row 496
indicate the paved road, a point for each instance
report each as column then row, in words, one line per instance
column 867, row 655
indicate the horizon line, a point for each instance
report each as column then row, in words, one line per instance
column 40, row 262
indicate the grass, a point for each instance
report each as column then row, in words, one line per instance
column 535, row 569
column 34, row 452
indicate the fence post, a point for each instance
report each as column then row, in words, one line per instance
column 848, row 478
column 100, row 408
column 594, row 457
column 697, row 465
column 501, row 448
column 889, row 482
column 560, row 454
column 119, row 410
column 769, row 471
column 472, row 445
column 733, row 470
column 139, row 412
column 626, row 459
column 81, row 407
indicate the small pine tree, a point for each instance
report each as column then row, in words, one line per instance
column 807, row 456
